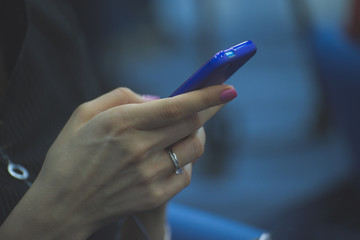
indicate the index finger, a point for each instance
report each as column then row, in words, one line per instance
column 116, row 97
column 166, row 111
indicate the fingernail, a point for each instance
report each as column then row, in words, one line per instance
column 150, row 97
column 228, row 95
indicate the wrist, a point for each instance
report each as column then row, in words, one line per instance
column 40, row 216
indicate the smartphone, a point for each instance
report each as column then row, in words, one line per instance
column 219, row 68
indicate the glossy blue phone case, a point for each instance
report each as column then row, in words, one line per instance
column 218, row 69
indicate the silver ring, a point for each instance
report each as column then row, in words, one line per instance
column 178, row 170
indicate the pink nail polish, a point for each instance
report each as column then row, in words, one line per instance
column 228, row 95
column 150, row 97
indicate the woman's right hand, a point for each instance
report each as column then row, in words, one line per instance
column 110, row 159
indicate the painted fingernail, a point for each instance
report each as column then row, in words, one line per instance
column 150, row 97
column 228, row 95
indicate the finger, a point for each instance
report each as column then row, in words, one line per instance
column 203, row 135
column 187, row 150
column 166, row 136
column 157, row 193
column 116, row 97
column 166, row 111
column 175, row 183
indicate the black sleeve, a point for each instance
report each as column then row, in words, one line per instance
column 12, row 31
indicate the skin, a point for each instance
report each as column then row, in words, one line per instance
column 110, row 161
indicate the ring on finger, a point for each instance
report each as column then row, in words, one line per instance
column 178, row 169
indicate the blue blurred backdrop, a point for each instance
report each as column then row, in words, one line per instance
column 283, row 156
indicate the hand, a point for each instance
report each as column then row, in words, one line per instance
column 109, row 160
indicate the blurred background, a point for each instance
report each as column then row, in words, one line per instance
column 284, row 156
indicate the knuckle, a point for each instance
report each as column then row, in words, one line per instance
column 123, row 91
column 139, row 150
column 198, row 147
column 156, row 197
column 131, row 150
column 83, row 112
column 110, row 125
column 145, row 175
column 193, row 122
column 173, row 110
column 118, row 121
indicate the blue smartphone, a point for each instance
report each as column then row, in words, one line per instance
column 218, row 69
